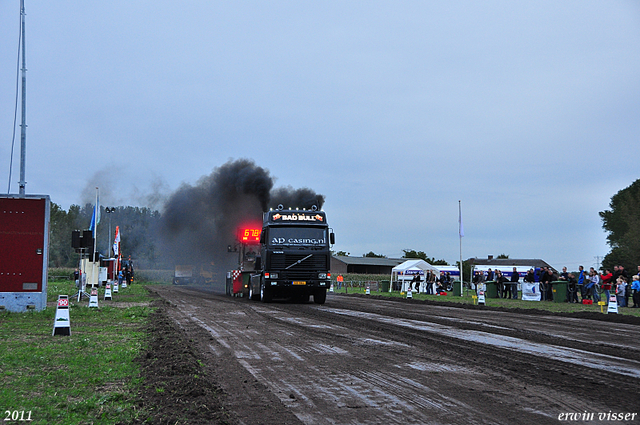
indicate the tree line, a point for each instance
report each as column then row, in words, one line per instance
column 622, row 223
column 138, row 233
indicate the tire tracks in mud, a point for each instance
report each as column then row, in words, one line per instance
column 372, row 362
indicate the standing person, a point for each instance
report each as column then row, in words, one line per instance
column 564, row 276
column 549, row 278
column 530, row 276
column 478, row 279
column 627, row 292
column 506, row 287
column 635, row 287
column 413, row 282
column 620, row 289
column 606, row 279
column 614, row 280
column 500, row 280
column 481, row 279
column 572, row 290
column 131, row 272
column 490, row 276
column 542, row 279
column 594, row 279
column 580, row 279
column 515, row 278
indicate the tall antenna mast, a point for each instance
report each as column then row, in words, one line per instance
column 23, row 125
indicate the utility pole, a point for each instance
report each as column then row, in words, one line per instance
column 23, row 125
column 599, row 259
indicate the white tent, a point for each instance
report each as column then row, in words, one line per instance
column 404, row 273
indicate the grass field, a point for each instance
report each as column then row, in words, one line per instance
column 86, row 378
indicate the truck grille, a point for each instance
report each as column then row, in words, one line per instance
column 307, row 269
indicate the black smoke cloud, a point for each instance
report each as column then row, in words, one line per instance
column 199, row 222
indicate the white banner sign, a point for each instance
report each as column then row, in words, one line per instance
column 530, row 291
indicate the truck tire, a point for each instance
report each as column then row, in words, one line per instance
column 252, row 295
column 320, row 296
column 265, row 294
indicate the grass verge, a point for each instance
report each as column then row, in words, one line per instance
column 467, row 298
column 89, row 377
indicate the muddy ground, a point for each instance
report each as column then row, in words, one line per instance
column 216, row 359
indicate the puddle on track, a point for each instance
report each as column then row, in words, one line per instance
column 563, row 354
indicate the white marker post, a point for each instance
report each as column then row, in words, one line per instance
column 93, row 299
column 613, row 305
column 62, row 324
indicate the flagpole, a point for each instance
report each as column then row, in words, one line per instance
column 96, row 211
column 460, row 232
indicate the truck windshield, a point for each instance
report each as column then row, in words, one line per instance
column 298, row 236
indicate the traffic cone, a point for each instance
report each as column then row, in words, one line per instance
column 93, row 299
column 367, row 291
column 409, row 294
column 124, row 283
column 107, row 292
column 613, row 305
column 331, row 288
column 62, row 324
column 115, row 286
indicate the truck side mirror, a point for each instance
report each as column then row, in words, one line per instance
column 258, row 263
column 332, row 238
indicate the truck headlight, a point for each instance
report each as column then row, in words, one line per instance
column 271, row 275
column 322, row 276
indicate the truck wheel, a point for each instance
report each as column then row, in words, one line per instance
column 252, row 295
column 265, row 294
column 320, row 296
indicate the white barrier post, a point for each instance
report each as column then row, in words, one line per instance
column 62, row 324
column 481, row 298
column 107, row 292
column 93, row 299
column 613, row 305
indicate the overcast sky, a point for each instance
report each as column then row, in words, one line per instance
column 526, row 112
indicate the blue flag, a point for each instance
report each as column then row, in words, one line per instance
column 95, row 218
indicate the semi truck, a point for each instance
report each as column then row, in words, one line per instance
column 294, row 257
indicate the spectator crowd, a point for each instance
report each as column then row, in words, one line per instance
column 588, row 285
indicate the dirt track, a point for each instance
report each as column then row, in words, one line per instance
column 369, row 361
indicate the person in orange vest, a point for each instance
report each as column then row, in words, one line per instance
column 339, row 279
